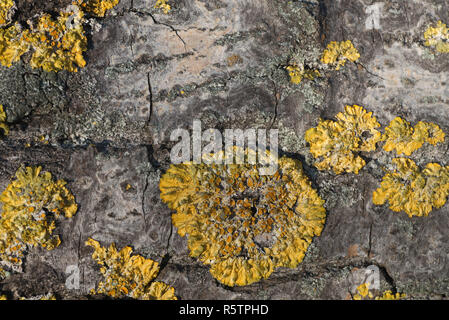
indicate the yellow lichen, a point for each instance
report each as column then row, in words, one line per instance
column 12, row 46
column 414, row 191
column 388, row 295
column 298, row 73
column 363, row 293
column 437, row 37
column 6, row 10
column 99, row 7
column 162, row 4
column 242, row 224
column 128, row 275
column 404, row 138
column 338, row 143
column 337, row 53
column 58, row 44
column 3, row 125
column 31, row 203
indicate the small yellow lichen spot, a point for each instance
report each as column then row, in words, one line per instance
column 414, row 191
column 6, row 11
column 363, row 290
column 405, row 139
column 99, row 7
column 363, row 293
column 437, row 37
column 388, row 295
column 337, row 53
column 3, row 125
column 127, row 275
column 3, row 297
column 162, row 4
column 241, row 223
column 297, row 73
column 338, row 143
column 24, row 223
column 12, row 45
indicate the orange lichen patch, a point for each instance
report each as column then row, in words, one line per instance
column 298, row 73
column 162, row 4
column 128, row 275
column 31, row 203
column 241, row 223
column 412, row 190
column 404, row 138
column 233, row 60
column 337, row 53
column 353, row 251
column 12, row 46
column 437, row 37
column 6, row 11
column 58, row 44
column 98, row 7
column 3, row 125
column 338, row 143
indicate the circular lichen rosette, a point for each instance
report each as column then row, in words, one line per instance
column 240, row 222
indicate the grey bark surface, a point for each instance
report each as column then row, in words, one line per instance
column 222, row 62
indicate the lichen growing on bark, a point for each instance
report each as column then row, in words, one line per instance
column 30, row 204
column 241, row 223
column 364, row 293
column 58, row 44
column 127, row 275
column 414, row 191
column 437, row 37
column 338, row 143
column 98, row 7
column 337, row 53
column 162, row 4
column 6, row 11
column 4, row 128
column 405, row 139
column 12, row 45
column 297, row 73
